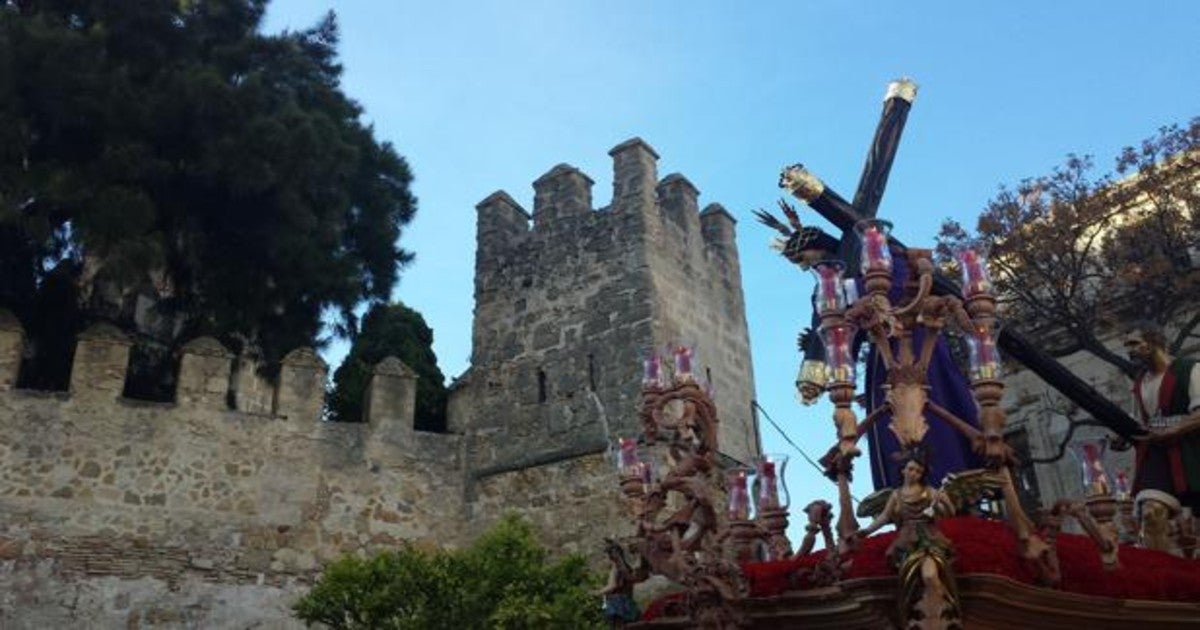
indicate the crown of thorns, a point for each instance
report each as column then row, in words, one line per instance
column 808, row 239
column 797, row 238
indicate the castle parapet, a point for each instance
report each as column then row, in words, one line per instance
column 203, row 374
column 101, row 362
column 635, row 175
column 500, row 223
column 301, row 391
column 563, row 192
column 391, row 401
column 679, row 200
column 719, row 230
column 12, row 345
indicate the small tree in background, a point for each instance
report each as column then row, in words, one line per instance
column 399, row 331
column 1072, row 254
column 504, row 580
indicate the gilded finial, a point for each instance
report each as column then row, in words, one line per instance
column 903, row 88
column 801, row 183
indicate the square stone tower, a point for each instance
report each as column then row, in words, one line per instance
column 570, row 299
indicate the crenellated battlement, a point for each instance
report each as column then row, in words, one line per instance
column 207, row 382
column 206, row 502
column 561, row 196
column 642, row 206
column 238, row 493
column 568, row 298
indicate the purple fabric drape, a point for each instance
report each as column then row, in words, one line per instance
column 949, row 451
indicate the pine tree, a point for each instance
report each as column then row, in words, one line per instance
column 189, row 175
column 399, row 331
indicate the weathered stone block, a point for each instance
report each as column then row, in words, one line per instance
column 12, row 344
column 301, row 392
column 562, row 193
column 678, row 199
column 204, row 374
column 390, row 401
column 101, row 362
column 635, row 173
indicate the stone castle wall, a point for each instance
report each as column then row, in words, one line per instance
column 121, row 513
column 569, row 299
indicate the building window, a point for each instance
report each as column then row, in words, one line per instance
column 541, row 385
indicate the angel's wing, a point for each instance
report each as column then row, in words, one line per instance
column 873, row 504
column 966, row 488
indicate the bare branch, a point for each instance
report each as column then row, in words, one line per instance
column 1061, row 449
column 1185, row 332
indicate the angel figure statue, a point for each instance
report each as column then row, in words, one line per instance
column 921, row 554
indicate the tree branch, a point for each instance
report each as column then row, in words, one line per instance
column 1093, row 345
column 1184, row 333
column 1062, row 447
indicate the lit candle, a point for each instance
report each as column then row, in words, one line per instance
column 838, row 353
column 875, row 250
column 985, row 360
column 1123, row 484
column 683, row 361
column 627, row 457
column 975, row 275
column 651, row 372
column 768, row 488
column 739, row 496
column 829, row 286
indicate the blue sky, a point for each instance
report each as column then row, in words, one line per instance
column 481, row 96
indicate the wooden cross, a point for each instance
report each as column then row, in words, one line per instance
column 871, row 184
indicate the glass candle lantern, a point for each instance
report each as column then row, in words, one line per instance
column 652, row 371
column 850, row 289
column 875, row 253
column 770, row 490
column 1090, row 455
column 839, row 353
column 830, row 295
column 628, row 462
column 739, row 494
column 645, row 469
column 975, row 278
column 985, row 358
column 683, row 363
column 1123, row 484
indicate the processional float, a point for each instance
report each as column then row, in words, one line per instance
column 693, row 514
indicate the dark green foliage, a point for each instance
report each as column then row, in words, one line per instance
column 504, row 580
column 391, row 330
column 167, row 149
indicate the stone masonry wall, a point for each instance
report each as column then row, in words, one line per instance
column 569, row 300
column 118, row 513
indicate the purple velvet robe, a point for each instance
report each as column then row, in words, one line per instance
column 949, row 451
